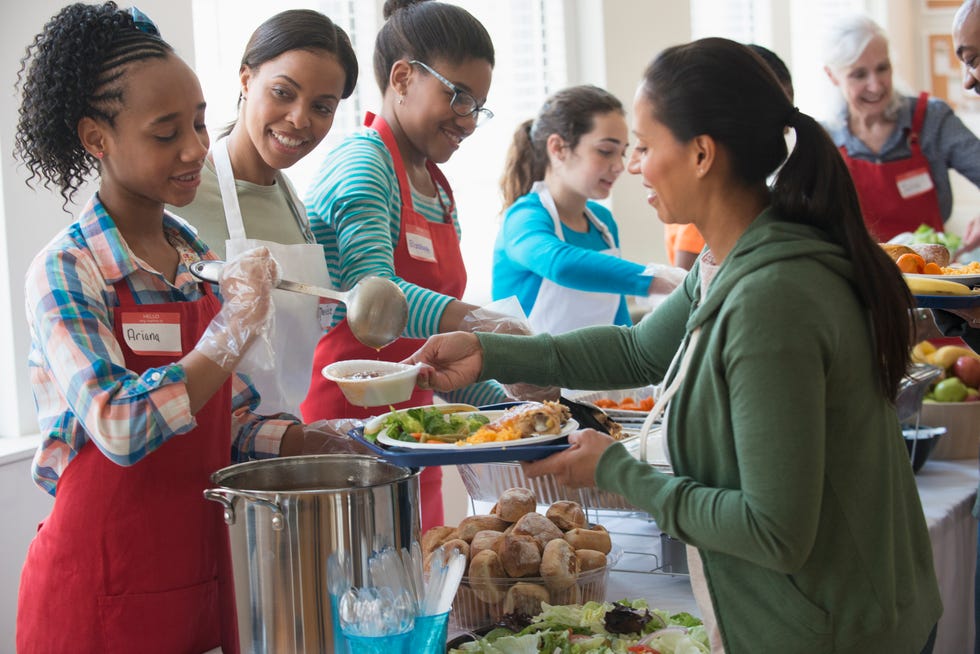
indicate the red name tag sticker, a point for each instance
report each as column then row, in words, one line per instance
column 152, row 333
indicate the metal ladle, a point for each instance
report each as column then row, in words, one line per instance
column 377, row 310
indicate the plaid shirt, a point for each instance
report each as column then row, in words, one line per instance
column 82, row 388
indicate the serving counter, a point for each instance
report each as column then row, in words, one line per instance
column 947, row 490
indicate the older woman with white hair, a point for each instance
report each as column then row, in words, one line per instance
column 898, row 148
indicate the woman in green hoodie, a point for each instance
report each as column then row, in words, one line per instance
column 790, row 477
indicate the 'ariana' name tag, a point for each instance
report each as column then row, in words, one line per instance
column 914, row 183
column 152, row 333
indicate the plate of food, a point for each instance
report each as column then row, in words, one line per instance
column 463, row 428
column 968, row 274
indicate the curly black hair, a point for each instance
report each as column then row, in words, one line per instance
column 76, row 68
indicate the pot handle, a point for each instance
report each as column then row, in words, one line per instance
column 226, row 498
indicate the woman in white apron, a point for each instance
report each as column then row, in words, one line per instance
column 558, row 250
column 296, row 68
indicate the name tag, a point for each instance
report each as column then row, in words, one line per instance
column 419, row 243
column 326, row 311
column 152, row 333
column 914, row 183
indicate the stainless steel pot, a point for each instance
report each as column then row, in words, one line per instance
column 286, row 516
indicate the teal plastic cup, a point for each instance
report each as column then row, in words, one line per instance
column 429, row 634
column 391, row 644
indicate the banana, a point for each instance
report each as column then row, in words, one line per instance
column 947, row 355
column 923, row 351
column 929, row 286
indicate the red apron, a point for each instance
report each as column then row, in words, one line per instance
column 443, row 272
column 134, row 559
column 897, row 196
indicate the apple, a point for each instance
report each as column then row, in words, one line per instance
column 951, row 389
column 967, row 368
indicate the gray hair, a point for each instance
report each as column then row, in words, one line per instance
column 846, row 41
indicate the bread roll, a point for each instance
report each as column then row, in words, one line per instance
column 590, row 560
column 485, row 574
column 559, row 566
column 469, row 525
column 436, row 536
column 519, row 554
column 513, row 503
column 538, row 526
column 932, row 253
column 596, row 538
column 567, row 515
column 525, row 598
column 895, row 251
column 485, row 540
column 570, row 595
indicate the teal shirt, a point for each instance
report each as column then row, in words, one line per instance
column 528, row 251
column 791, row 476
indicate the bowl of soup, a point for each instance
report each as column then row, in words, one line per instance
column 373, row 383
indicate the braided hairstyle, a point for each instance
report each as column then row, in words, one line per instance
column 427, row 31
column 76, row 68
column 722, row 89
column 569, row 113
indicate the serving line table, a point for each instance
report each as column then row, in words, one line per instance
column 947, row 490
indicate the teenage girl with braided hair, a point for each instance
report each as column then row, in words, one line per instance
column 131, row 358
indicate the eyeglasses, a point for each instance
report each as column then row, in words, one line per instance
column 463, row 104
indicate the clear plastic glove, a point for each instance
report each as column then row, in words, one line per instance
column 507, row 317
column 971, row 237
column 332, row 437
column 246, row 314
column 665, row 278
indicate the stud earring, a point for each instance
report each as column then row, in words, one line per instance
column 99, row 154
column 401, row 99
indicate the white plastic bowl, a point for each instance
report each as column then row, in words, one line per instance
column 373, row 383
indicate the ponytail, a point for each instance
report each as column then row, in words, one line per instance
column 814, row 187
column 524, row 165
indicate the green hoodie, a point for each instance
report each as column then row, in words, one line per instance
column 791, row 476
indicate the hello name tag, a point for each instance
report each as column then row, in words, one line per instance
column 914, row 183
column 152, row 333
column 419, row 242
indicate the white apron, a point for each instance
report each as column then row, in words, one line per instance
column 296, row 328
column 558, row 309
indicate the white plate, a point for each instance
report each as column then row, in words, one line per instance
column 569, row 427
column 969, row 280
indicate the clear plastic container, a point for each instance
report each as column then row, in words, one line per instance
column 483, row 604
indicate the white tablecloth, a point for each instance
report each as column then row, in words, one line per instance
column 947, row 490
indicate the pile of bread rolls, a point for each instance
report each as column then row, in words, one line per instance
column 518, row 558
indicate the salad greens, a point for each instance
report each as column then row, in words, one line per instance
column 582, row 629
column 430, row 424
column 926, row 234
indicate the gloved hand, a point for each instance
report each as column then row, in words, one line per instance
column 665, row 278
column 246, row 314
column 331, row 437
column 487, row 320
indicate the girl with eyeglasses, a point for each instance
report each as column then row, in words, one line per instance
column 381, row 206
